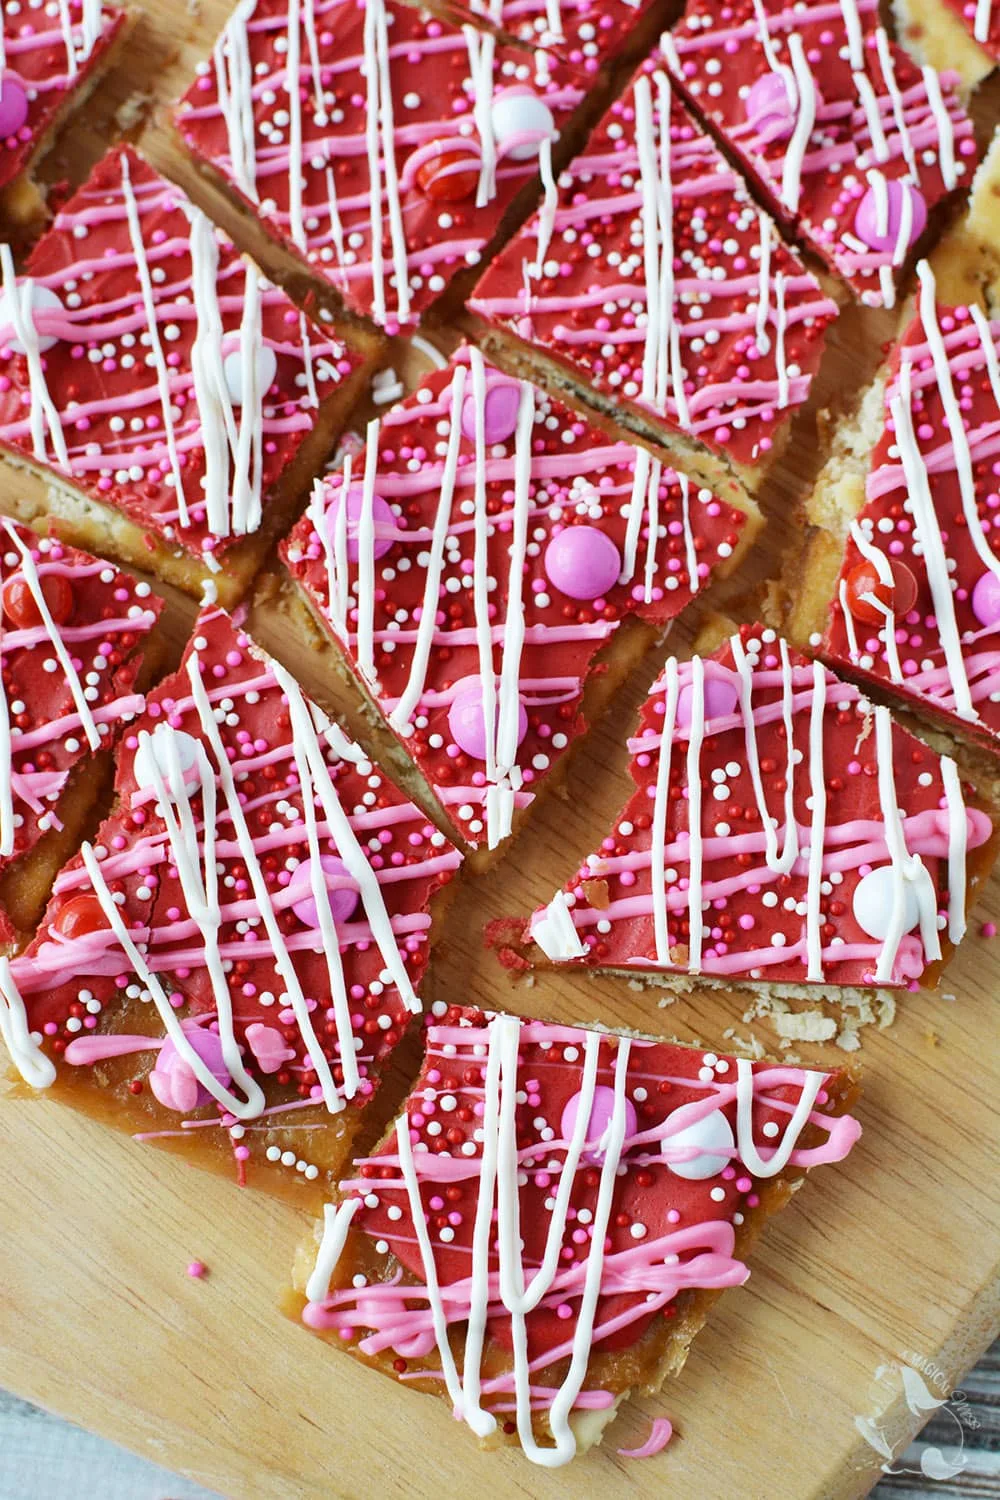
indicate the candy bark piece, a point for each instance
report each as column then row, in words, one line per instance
column 406, row 152
column 179, row 400
column 901, row 583
column 546, row 1225
column 77, row 641
column 654, row 287
column 851, row 143
column 782, row 832
column 232, row 962
column 50, row 60
column 497, row 568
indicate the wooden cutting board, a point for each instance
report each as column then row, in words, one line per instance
column 889, row 1258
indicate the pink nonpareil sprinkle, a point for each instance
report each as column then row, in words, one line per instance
column 988, row 930
column 196, row 1270
column 660, row 1434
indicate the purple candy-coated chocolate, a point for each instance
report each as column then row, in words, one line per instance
column 383, row 517
column 341, row 887
column 986, row 599
column 866, row 220
column 13, row 105
column 721, row 696
column 467, row 721
column 172, row 1079
column 769, row 109
column 500, row 408
column 601, row 1111
column 582, row 562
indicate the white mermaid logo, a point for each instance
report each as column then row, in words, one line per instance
column 936, row 1463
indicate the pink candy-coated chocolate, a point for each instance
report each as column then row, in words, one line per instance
column 601, row 1112
column 986, row 599
column 342, row 889
column 383, row 519
column 866, row 221
column 721, row 696
column 13, row 105
column 500, row 408
column 173, row 1080
column 769, row 109
column 582, row 562
column 467, row 721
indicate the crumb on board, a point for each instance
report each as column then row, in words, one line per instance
column 805, row 1026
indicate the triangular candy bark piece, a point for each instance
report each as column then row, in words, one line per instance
column 782, row 831
column 50, row 60
column 913, row 484
column 548, row 1221
column 74, row 637
column 396, row 159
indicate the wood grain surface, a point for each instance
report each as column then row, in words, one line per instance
column 889, row 1258
column 43, row 1457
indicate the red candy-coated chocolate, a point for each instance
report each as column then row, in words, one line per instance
column 22, row 607
column 899, row 596
column 80, row 915
column 449, row 177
